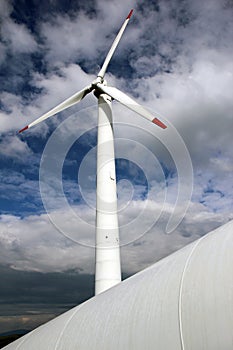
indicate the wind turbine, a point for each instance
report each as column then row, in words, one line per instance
column 108, row 269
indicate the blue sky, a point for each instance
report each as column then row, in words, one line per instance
column 175, row 58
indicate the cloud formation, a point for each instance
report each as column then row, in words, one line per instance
column 175, row 58
column 179, row 62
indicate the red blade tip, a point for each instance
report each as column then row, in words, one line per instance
column 26, row 127
column 130, row 14
column 159, row 123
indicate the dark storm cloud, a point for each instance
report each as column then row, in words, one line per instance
column 28, row 299
column 69, row 288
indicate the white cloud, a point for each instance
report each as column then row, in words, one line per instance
column 5, row 8
column 2, row 53
column 60, row 85
column 222, row 164
column 13, row 147
column 184, row 71
column 198, row 102
column 18, row 38
column 55, row 89
column 82, row 37
column 34, row 244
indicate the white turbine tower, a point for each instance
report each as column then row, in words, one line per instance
column 108, row 269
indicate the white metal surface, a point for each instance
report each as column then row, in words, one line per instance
column 77, row 97
column 103, row 69
column 108, row 269
column 130, row 103
column 183, row 302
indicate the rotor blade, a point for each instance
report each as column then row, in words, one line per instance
column 130, row 103
column 113, row 47
column 78, row 96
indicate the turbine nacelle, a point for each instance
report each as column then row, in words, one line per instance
column 98, row 80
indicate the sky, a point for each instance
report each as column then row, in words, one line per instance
column 175, row 58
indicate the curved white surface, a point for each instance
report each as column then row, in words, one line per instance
column 184, row 301
column 107, row 248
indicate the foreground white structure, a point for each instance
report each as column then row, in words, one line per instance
column 184, row 301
